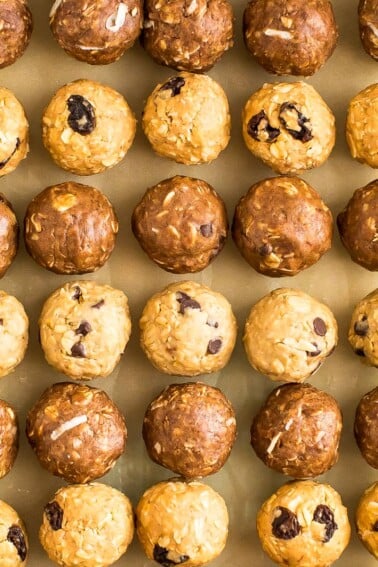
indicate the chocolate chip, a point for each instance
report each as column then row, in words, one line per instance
column 361, row 327
column 315, row 352
column 320, row 327
column 16, row 536
column 77, row 294
column 286, row 525
column 186, row 302
column 375, row 527
column 359, row 352
column 175, row 85
column 206, row 230
column 288, row 113
column 324, row 515
column 259, row 128
column 161, row 556
column 265, row 249
column 81, row 116
column 54, row 514
column 5, row 161
column 83, row 329
column 77, row 350
column 99, row 304
column 214, row 346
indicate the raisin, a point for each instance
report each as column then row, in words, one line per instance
column 99, row 304
column 359, row 352
column 265, row 249
column 259, row 128
column 16, row 536
column 320, row 327
column 361, row 327
column 324, row 515
column 77, row 294
column 214, row 346
column 313, row 353
column 375, row 527
column 77, row 350
column 175, row 85
column 286, row 525
column 302, row 129
column 54, row 514
column 1, row 322
column 5, row 161
column 81, row 116
column 206, row 230
column 83, row 329
column 161, row 556
column 186, row 302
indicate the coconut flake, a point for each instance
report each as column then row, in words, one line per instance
column 116, row 21
column 278, row 33
column 54, row 8
column 67, row 426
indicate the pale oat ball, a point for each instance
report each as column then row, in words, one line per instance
column 9, row 435
column 14, row 132
column 14, row 333
column 363, row 329
column 362, row 126
column 14, row 545
column 367, row 519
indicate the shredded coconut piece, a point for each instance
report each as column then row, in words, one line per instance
column 116, row 21
column 278, row 33
column 54, row 8
column 67, row 426
column 273, row 443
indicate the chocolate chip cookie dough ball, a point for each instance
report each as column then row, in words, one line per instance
column 188, row 36
column 84, row 329
column 366, row 427
column 9, row 434
column 14, row 545
column 90, row 525
column 304, row 523
column 187, row 119
column 368, row 21
column 361, row 126
column 8, row 236
column 187, row 329
column 181, row 224
column 14, row 132
column 282, row 226
column 190, row 429
column 182, row 523
column 14, row 333
column 97, row 33
column 70, row 228
column 87, row 127
column 363, row 329
column 289, row 127
column 367, row 519
column 288, row 335
column 77, row 432
column 297, row 431
column 16, row 26
column 295, row 37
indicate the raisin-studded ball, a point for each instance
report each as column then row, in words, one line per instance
column 367, row 519
column 363, row 329
column 16, row 26
column 14, row 131
column 14, row 545
column 9, row 234
column 366, row 427
column 362, row 127
column 9, row 434
column 368, row 22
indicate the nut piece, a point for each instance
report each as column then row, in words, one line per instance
column 368, row 21
column 16, row 26
column 366, row 427
column 361, row 126
column 14, row 545
column 9, row 434
column 367, row 519
column 363, row 329
column 14, row 131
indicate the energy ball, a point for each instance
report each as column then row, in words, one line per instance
column 282, row 226
column 76, row 431
column 9, row 234
column 9, row 435
column 90, row 525
column 304, row 523
column 182, row 523
column 97, row 33
column 297, row 431
column 16, row 26
column 70, row 228
column 84, row 329
column 361, row 126
column 367, row 519
column 181, row 224
column 368, row 21
column 187, row 119
column 289, row 127
column 87, row 127
column 190, row 429
column 288, row 335
column 188, row 329
column 366, row 427
column 14, row 545
column 14, row 333
column 188, row 36
column 295, row 37
column 14, row 131
column 363, row 329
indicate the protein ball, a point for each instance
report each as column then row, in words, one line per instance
column 187, row 119
column 368, row 21
column 366, row 427
column 297, row 431
column 361, row 126
column 70, row 228
column 14, row 333
column 182, row 523
column 97, row 33
column 14, row 545
column 76, row 431
column 289, row 127
column 90, row 525
column 282, row 226
column 367, row 519
column 87, row 127
column 15, row 30
column 295, row 37
column 14, row 131
column 84, row 329
column 187, row 329
column 181, row 224
column 190, row 429
column 188, row 36
column 9, row 234
column 9, row 435
column 363, row 329
column 288, row 335
column 304, row 523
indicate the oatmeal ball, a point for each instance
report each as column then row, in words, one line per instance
column 16, row 26
column 188, row 36
column 368, row 21
column 187, row 119
column 182, row 523
column 282, row 226
column 90, row 525
column 14, row 333
column 288, row 335
column 84, row 329
column 8, row 236
column 363, row 329
column 96, row 32
column 87, row 127
column 70, row 228
column 366, row 427
column 76, row 431
column 297, row 431
column 14, row 131
column 190, row 429
column 361, row 126
column 295, row 37
column 14, row 543
column 9, row 434
column 304, row 523
column 367, row 519
column 289, row 127
column 181, row 224
column 188, row 329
